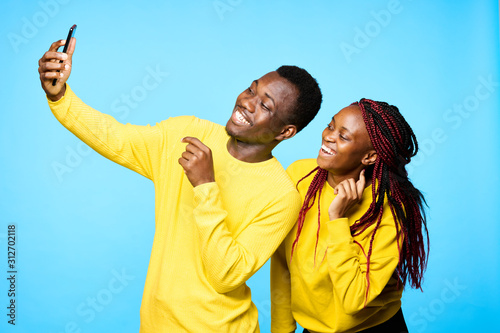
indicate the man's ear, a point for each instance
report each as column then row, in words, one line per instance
column 369, row 158
column 287, row 132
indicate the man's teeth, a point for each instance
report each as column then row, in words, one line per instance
column 327, row 150
column 240, row 118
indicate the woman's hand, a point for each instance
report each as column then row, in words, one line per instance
column 348, row 194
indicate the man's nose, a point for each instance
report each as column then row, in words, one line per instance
column 249, row 103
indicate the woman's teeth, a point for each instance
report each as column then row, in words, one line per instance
column 327, row 150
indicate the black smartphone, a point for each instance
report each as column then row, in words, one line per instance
column 71, row 33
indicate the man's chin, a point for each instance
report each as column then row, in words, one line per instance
column 230, row 133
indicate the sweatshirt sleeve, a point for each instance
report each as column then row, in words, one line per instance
column 282, row 320
column 230, row 261
column 348, row 272
column 135, row 147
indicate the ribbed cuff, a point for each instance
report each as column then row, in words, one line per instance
column 339, row 231
column 62, row 99
column 204, row 192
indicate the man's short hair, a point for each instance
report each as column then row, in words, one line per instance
column 309, row 99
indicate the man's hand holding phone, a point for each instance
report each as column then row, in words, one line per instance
column 56, row 66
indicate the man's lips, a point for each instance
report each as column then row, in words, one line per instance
column 240, row 118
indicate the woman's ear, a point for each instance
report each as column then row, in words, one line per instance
column 369, row 158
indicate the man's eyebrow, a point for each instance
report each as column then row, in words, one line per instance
column 272, row 99
column 267, row 95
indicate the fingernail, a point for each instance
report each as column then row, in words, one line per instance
column 64, row 56
column 66, row 66
column 61, row 74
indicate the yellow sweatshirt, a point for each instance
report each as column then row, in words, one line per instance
column 329, row 295
column 209, row 239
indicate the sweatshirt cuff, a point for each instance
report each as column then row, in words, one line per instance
column 208, row 211
column 205, row 192
column 339, row 231
column 62, row 100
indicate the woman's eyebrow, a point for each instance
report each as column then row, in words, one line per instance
column 342, row 127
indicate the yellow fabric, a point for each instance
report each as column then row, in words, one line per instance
column 328, row 294
column 208, row 240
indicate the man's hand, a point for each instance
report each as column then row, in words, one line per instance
column 197, row 162
column 348, row 194
column 49, row 65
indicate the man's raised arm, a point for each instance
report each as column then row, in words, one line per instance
column 135, row 147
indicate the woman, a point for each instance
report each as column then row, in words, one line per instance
column 360, row 233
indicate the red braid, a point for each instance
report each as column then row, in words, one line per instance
column 395, row 144
column 316, row 185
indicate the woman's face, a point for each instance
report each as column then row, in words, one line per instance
column 346, row 144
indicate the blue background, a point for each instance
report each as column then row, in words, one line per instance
column 82, row 220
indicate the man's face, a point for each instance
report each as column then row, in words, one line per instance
column 260, row 110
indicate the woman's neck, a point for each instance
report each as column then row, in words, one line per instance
column 335, row 178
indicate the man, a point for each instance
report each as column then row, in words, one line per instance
column 223, row 202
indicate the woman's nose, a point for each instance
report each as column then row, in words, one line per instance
column 330, row 136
